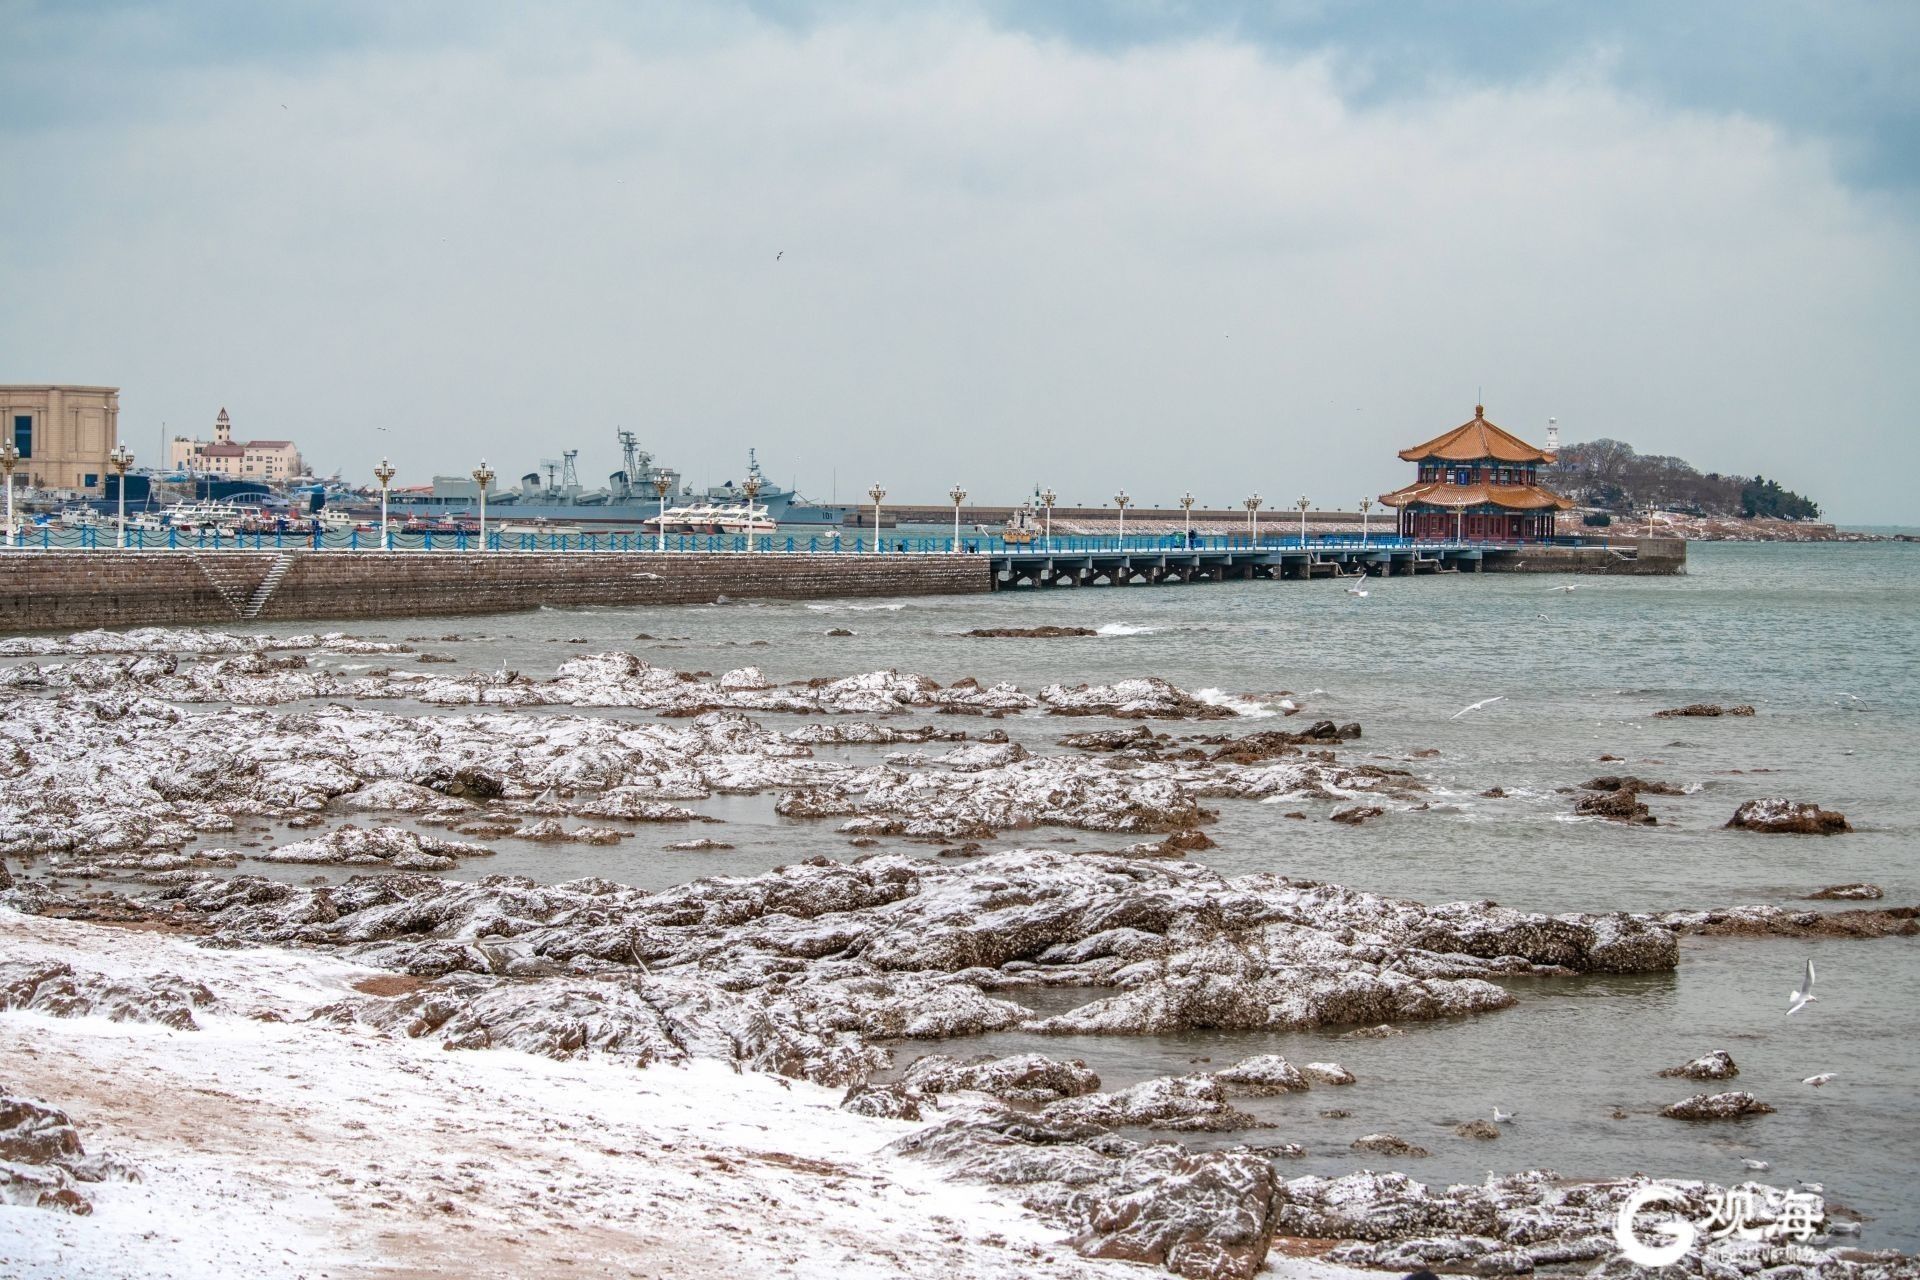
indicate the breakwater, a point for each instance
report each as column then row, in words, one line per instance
column 55, row 589
column 44, row 590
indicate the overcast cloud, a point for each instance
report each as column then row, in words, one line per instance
column 1222, row 249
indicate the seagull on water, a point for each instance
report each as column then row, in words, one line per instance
column 1823, row 1078
column 1484, row 702
column 1569, row 587
column 1758, row 1166
column 1815, row 1187
column 1804, row 996
column 1502, row 1117
column 1843, row 1228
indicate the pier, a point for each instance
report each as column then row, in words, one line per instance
column 1242, row 559
column 270, row 578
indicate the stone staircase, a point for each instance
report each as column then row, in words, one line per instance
column 262, row 593
column 243, row 580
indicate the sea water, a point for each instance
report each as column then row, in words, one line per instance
column 1823, row 640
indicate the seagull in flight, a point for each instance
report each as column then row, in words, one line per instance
column 1357, row 591
column 779, row 255
column 1484, row 702
column 1804, row 996
column 1502, row 1117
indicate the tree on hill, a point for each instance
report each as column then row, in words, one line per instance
column 1763, row 497
column 1608, row 474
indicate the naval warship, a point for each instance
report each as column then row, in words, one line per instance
column 630, row 496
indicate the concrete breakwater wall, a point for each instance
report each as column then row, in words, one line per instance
column 1639, row 556
column 66, row 590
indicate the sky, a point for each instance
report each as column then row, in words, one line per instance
column 1152, row 246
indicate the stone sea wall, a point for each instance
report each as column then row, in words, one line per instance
column 78, row 589
column 1650, row 556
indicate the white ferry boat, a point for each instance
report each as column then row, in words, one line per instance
column 699, row 517
column 539, row 527
column 213, row 516
column 747, row 519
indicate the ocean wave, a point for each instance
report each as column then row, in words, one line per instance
column 1234, row 703
column 1123, row 629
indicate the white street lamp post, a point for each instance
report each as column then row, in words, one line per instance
column 1186, row 517
column 751, row 487
column 1366, row 505
column 1122, row 501
column 9, row 459
column 959, row 496
column 660, row 486
column 1252, row 503
column 384, row 473
column 1303, row 503
column 876, row 493
column 1047, row 500
column 121, row 460
column 483, row 476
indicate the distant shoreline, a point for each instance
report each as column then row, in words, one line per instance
column 1741, row 529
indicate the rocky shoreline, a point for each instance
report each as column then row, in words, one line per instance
column 126, row 758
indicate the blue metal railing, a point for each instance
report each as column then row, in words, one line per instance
column 106, row 538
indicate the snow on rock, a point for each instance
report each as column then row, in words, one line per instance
column 41, row 1158
column 1047, row 790
column 396, row 847
column 1265, row 1073
column 1327, row 1073
column 977, row 756
column 1778, row 815
column 1732, row 1105
column 1026, row 1077
column 1148, row 698
column 1387, row 1144
column 59, row 990
column 1717, row 1065
column 1200, row 1214
column 829, row 955
column 1537, row 1220
column 1188, row 1103
column 392, row 795
column 275, row 1141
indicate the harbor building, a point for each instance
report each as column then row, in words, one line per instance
column 1478, row 482
column 63, row 433
column 239, row 459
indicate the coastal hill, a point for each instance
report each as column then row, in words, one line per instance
column 1608, row 476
